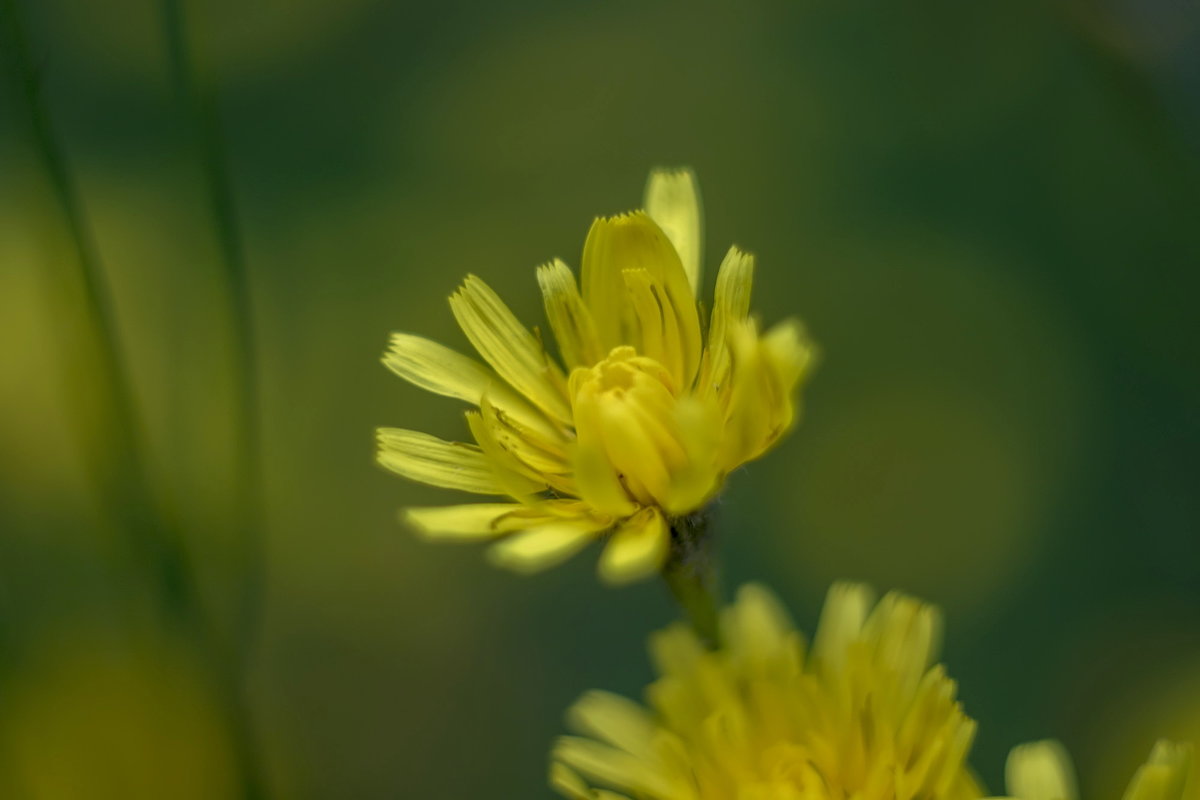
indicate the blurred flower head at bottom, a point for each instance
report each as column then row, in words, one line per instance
column 863, row 713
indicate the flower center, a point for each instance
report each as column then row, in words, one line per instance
column 625, row 408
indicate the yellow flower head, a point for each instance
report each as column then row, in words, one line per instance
column 864, row 715
column 1043, row 771
column 640, row 422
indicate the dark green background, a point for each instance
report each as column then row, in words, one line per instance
column 987, row 214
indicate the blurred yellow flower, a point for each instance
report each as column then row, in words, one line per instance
column 1043, row 771
column 865, row 715
column 641, row 422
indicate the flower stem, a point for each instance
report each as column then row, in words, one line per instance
column 691, row 574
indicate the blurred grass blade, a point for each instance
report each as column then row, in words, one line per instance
column 199, row 101
column 201, row 110
column 94, row 373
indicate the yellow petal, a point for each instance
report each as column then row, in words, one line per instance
column 567, row 782
column 467, row 522
column 438, row 369
column 535, row 455
column 731, row 306
column 569, row 317
column 1040, row 771
column 637, row 550
column 842, row 619
column 906, row 634
column 658, row 328
column 517, row 480
column 761, row 401
column 675, row 650
column 509, row 347
column 1164, row 776
column 699, row 423
column 634, row 242
column 543, row 547
column 598, row 482
column 613, row 766
column 428, row 459
column 757, row 629
column 673, row 201
column 789, row 357
column 630, row 445
column 613, row 719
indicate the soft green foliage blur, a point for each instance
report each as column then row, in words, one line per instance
column 987, row 214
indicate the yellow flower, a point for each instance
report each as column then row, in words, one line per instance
column 1043, row 771
column 640, row 423
column 864, row 715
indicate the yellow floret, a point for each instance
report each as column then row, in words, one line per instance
column 864, row 715
column 640, row 423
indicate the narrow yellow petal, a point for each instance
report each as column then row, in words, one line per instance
column 569, row 317
column 1165, row 774
column 637, row 550
column 517, row 480
column 731, row 306
column 658, row 327
column 647, row 316
column 509, row 347
column 1040, row 771
column 613, row 719
column 428, row 459
column 761, row 400
column 906, row 634
column 758, row 631
column 789, row 356
column 540, row 548
column 537, row 455
column 842, row 619
column 673, row 201
column 634, row 242
column 438, row 369
column 676, row 649
column 614, row 766
column 567, row 782
column 467, row 522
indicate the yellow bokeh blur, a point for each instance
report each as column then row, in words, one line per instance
column 94, row 717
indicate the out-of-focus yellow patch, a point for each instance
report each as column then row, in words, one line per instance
column 1163, row 701
column 106, row 719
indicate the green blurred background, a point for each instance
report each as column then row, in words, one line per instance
column 987, row 213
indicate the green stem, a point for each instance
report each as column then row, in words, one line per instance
column 691, row 574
